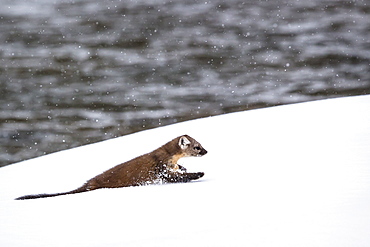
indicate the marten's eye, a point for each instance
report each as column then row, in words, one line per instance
column 197, row 148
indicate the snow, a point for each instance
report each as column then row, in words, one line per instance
column 294, row 175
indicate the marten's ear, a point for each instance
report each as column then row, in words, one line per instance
column 184, row 142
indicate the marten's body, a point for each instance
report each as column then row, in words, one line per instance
column 159, row 166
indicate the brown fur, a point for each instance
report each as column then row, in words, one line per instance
column 159, row 166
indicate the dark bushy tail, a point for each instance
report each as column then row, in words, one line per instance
column 79, row 190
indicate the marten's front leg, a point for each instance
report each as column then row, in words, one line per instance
column 176, row 177
column 183, row 169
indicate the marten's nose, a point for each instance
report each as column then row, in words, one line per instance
column 203, row 152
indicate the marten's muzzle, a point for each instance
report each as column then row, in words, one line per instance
column 202, row 152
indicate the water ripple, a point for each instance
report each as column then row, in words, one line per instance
column 76, row 72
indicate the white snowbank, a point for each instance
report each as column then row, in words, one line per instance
column 296, row 175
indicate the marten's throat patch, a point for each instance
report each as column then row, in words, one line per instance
column 174, row 159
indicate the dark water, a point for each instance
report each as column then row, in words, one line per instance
column 76, row 72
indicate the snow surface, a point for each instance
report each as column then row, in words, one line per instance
column 295, row 175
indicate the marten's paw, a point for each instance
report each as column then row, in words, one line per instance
column 198, row 175
column 177, row 177
column 181, row 168
column 192, row 176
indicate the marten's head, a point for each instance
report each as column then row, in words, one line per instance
column 190, row 146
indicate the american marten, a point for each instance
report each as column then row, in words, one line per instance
column 159, row 166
